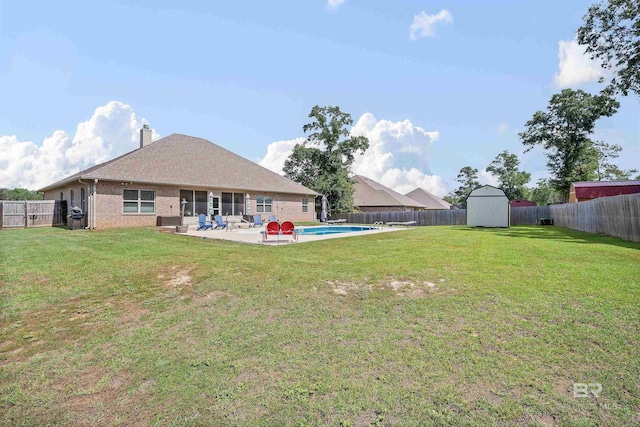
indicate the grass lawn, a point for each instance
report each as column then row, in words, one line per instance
column 430, row 325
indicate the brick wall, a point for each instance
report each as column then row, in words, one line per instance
column 109, row 203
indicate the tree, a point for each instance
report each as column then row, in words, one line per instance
column 512, row 181
column 611, row 34
column 544, row 194
column 19, row 194
column 324, row 160
column 606, row 170
column 468, row 179
column 563, row 131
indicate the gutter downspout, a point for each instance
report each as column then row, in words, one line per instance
column 92, row 203
column 88, row 200
column 95, row 202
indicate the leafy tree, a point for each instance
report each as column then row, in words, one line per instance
column 512, row 181
column 563, row 131
column 19, row 194
column 611, row 34
column 468, row 179
column 544, row 194
column 606, row 170
column 324, row 160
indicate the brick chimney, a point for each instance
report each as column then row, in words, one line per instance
column 145, row 136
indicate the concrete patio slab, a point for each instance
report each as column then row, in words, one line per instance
column 254, row 236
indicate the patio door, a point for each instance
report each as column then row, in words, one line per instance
column 214, row 206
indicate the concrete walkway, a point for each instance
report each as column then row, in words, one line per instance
column 252, row 235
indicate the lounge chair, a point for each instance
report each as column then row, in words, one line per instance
column 203, row 224
column 219, row 223
column 288, row 229
column 336, row 221
column 273, row 229
column 272, row 218
column 406, row 223
column 257, row 221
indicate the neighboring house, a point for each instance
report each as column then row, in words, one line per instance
column 371, row 196
column 581, row 191
column 488, row 206
column 152, row 181
column 521, row 202
column 430, row 201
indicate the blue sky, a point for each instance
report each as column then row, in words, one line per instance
column 454, row 91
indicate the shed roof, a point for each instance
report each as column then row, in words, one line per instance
column 188, row 161
column 430, row 201
column 487, row 191
column 595, row 189
column 368, row 192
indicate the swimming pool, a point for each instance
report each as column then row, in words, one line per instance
column 336, row 229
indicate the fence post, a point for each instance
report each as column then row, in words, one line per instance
column 25, row 215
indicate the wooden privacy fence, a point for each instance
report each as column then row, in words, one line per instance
column 433, row 217
column 32, row 213
column 617, row 216
column 529, row 215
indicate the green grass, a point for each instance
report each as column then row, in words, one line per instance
column 431, row 325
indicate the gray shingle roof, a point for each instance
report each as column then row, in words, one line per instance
column 370, row 193
column 429, row 200
column 188, row 161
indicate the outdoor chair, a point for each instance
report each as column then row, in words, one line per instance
column 288, row 229
column 219, row 223
column 273, row 229
column 272, row 218
column 257, row 221
column 203, row 224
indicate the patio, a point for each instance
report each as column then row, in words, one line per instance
column 252, row 235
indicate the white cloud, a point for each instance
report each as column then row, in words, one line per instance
column 398, row 155
column 333, row 5
column 424, row 25
column 112, row 130
column 277, row 153
column 575, row 66
column 486, row 178
column 502, row 128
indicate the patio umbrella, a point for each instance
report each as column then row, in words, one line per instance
column 323, row 215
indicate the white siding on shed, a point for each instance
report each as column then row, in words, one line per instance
column 488, row 207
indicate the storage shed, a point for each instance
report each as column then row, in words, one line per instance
column 488, row 206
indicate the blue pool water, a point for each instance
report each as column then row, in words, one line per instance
column 319, row 231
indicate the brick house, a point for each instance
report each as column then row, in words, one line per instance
column 154, row 180
column 430, row 201
column 371, row 196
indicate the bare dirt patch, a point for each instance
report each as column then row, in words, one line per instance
column 411, row 289
column 346, row 288
column 399, row 287
column 177, row 276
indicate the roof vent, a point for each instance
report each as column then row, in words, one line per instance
column 145, row 136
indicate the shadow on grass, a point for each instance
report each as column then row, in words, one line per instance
column 559, row 234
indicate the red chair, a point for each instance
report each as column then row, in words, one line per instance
column 273, row 229
column 287, row 228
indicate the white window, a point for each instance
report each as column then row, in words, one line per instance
column 305, row 205
column 264, row 204
column 139, row 201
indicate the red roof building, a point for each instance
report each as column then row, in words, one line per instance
column 581, row 191
column 521, row 202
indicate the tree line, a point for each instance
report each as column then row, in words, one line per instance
column 19, row 194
